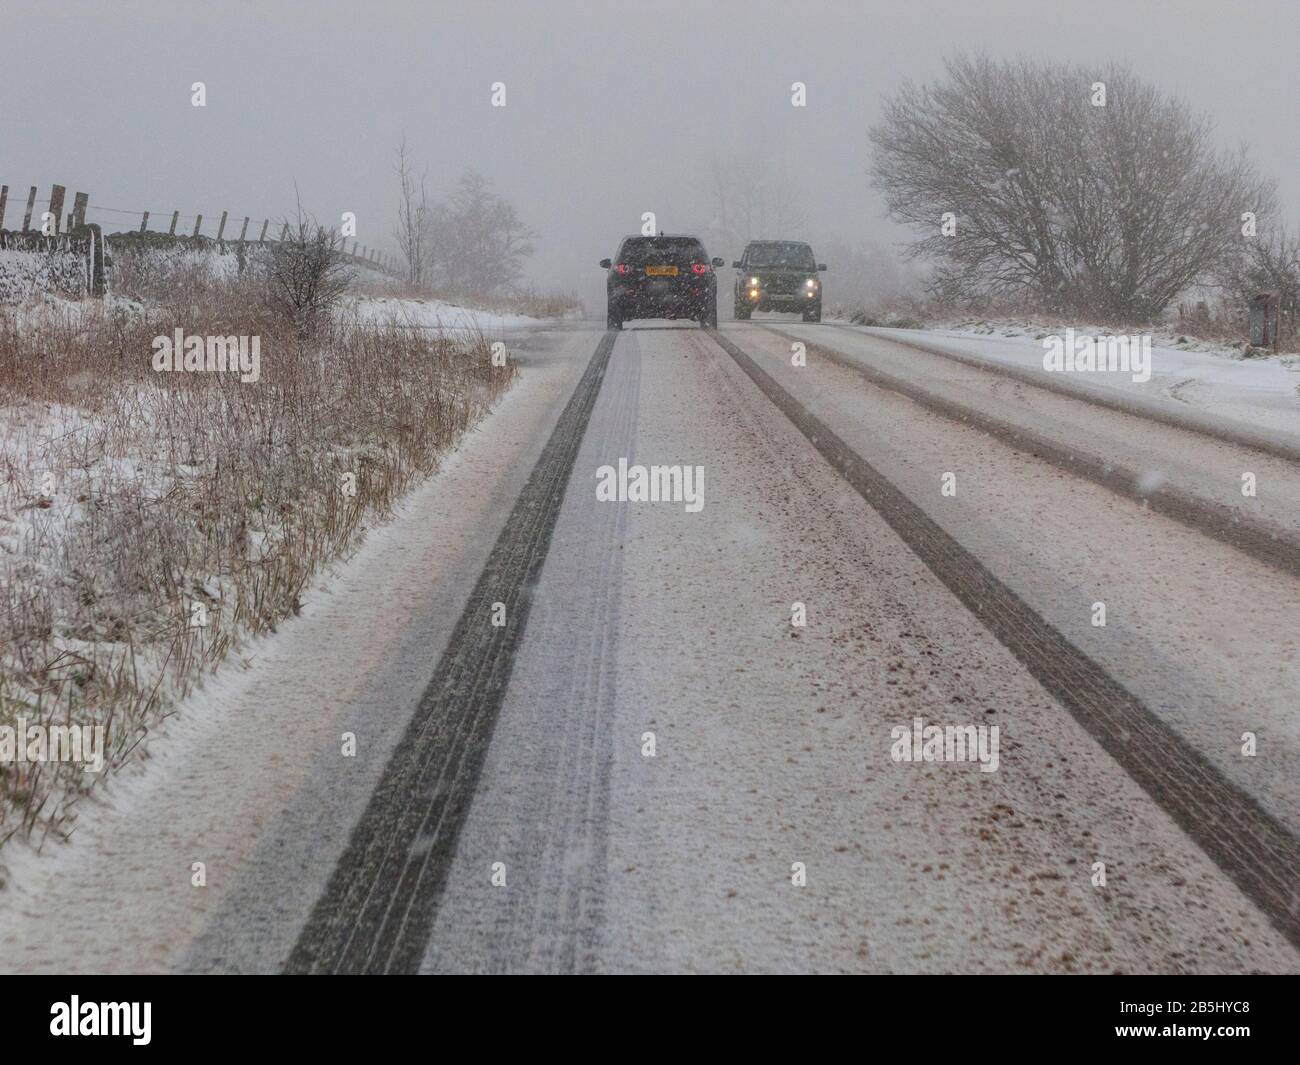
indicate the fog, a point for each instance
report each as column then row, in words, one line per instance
column 611, row 110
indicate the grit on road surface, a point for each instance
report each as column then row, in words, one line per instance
column 772, row 742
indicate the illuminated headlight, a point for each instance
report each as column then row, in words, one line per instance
column 753, row 293
column 753, row 282
column 811, row 282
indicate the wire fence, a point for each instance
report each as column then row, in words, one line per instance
column 44, row 217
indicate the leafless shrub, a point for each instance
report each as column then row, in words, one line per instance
column 412, row 231
column 307, row 275
column 1107, row 210
column 1267, row 263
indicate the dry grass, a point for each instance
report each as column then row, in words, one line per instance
column 537, row 304
column 171, row 490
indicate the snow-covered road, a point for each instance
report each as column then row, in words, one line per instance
column 677, row 777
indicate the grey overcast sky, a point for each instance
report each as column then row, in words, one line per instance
column 612, row 109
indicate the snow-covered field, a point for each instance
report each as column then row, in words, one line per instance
column 1260, row 391
column 142, row 267
column 440, row 315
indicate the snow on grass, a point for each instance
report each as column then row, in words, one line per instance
column 438, row 314
column 129, row 498
column 1261, row 390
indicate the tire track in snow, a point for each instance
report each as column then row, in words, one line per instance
column 548, row 818
column 1250, row 535
column 1247, row 843
column 379, row 906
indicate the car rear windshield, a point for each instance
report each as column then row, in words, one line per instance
column 640, row 250
column 779, row 253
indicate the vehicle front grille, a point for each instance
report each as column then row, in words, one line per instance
column 783, row 286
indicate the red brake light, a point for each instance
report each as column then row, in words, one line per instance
column 700, row 268
column 621, row 268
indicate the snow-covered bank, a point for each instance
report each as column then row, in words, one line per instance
column 1261, row 391
column 151, row 523
column 439, row 315
column 249, row 774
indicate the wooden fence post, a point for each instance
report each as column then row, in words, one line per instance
column 198, row 223
column 176, row 217
column 221, row 228
column 98, row 276
column 243, row 230
column 57, row 193
column 284, row 232
column 27, row 218
column 144, row 223
column 262, row 239
column 4, row 196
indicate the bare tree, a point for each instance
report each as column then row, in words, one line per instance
column 1268, row 263
column 413, row 218
column 754, row 201
column 478, row 241
column 307, row 273
column 1110, row 208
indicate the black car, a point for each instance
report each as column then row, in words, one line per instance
column 779, row 275
column 661, row 277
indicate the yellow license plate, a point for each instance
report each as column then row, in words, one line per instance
column 661, row 271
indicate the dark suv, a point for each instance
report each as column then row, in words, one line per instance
column 779, row 275
column 661, row 277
